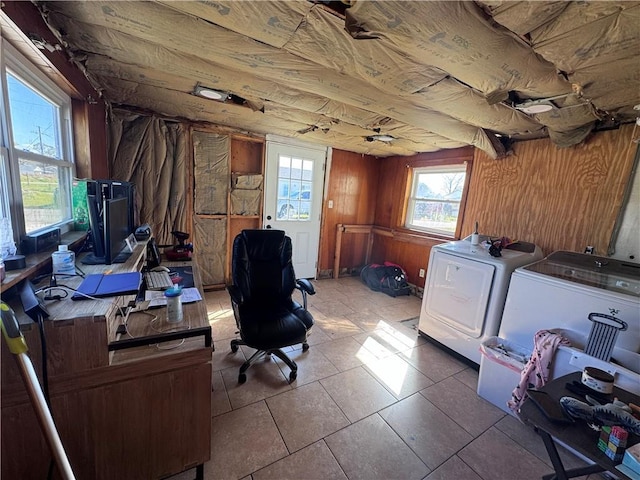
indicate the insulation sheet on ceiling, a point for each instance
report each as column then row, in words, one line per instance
column 210, row 248
column 247, row 55
column 211, row 172
column 457, row 38
column 590, row 33
column 323, row 39
column 272, row 22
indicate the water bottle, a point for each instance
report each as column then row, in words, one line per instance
column 174, row 304
column 64, row 261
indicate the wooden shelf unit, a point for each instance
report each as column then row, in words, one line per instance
column 245, row 157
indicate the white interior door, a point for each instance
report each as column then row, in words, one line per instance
column 293, row 192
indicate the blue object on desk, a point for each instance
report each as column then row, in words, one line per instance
column 112, row 285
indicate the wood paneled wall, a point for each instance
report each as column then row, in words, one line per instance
column 560, row 199
column 398, row 245
column 352, row 187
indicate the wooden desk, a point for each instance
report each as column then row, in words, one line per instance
column 576, row 435
column 135, row 413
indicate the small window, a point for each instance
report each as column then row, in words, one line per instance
column 436, row 195
column 38, row 142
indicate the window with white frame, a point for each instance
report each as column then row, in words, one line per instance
column 436, row 194
column 37, row 141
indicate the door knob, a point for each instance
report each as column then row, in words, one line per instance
column 268, row 217
column 268, row 227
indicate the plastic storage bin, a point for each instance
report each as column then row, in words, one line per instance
column 501, row 365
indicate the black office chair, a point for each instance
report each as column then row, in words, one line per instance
column 263, row 282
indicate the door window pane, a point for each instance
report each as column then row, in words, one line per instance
column 295, row 177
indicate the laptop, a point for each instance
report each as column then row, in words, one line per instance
column 112, row 285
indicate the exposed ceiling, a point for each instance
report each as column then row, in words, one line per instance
column 432, row 74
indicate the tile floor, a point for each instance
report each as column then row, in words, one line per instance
column 373, row 400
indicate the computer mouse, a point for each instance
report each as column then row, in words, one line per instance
column 160, row 268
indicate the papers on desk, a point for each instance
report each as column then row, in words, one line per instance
column 157, row 298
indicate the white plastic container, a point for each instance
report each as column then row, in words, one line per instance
column 501, row 366
column 64, row 261
column 174, row 304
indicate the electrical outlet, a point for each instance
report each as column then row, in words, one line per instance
column 421, row 274
column 330, row 204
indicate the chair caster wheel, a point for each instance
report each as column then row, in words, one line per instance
column 293, row 376
column 234, row 347
column 242, row 378
column 305, row 347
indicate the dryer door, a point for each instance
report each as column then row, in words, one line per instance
column 457, row 292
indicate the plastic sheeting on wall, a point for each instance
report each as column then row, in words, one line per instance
column 151, row 153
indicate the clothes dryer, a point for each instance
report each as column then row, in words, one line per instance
column 465, row 291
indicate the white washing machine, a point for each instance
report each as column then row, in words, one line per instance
column 465, row 291
column 563, row 290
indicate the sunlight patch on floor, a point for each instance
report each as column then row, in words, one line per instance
column 391, row 371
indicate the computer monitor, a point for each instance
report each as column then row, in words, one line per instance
column 116, row 230
column 110, row 206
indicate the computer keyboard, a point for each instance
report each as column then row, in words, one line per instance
column 158, row 280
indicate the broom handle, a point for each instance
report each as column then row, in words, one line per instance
column 17, row 346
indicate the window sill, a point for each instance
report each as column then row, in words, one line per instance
column 37, row 262
column 413, row 236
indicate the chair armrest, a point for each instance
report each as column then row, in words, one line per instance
column 236, row 294
column 305, row 285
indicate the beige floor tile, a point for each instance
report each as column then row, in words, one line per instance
column 454, row 468
column 243, row 441
column 264, row 379
column 338, row 327
column 312, row 366
column 433, row 362
column 224, row 358
column 317, row 335
column 305, row 415
column 337, row 305
column 346, row 353
column 432, row 435
column 357, row 393
column 223, row 324
column 526, row 437
column 463, row 405
column 389, row 338
column 397, row 376
column 468, row 376
column 370, row 449
column 366, row 320
column 314, row 462
column 219, row 399
column 495, row 456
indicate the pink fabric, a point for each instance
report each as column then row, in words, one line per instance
column 536, row 372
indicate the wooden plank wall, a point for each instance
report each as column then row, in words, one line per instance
column 397, row 244
column 560, row 199
column 352, row 187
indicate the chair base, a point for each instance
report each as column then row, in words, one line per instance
column 242, row 376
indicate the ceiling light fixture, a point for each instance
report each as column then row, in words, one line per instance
column 210, row 93
column 539, row 106
column 380, row 138
column 543, row 105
